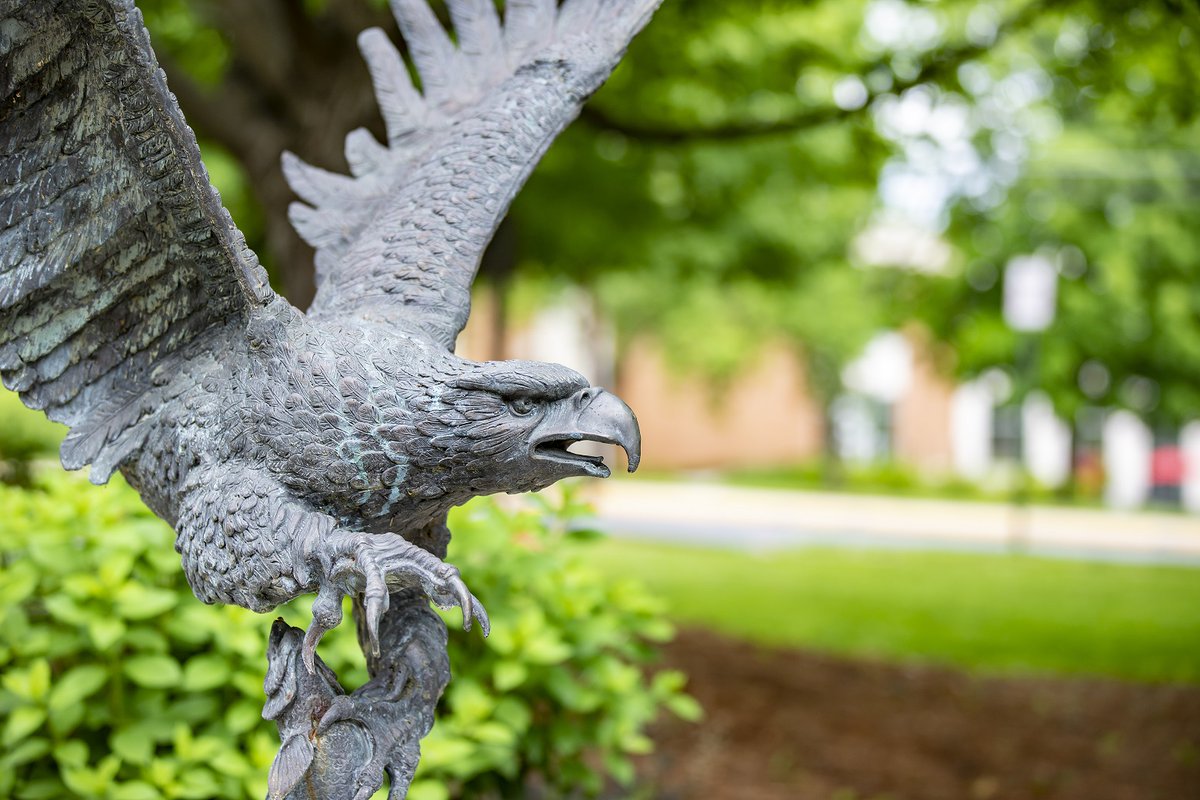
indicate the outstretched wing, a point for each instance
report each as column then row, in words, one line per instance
column 118, row 263
column 401, row 239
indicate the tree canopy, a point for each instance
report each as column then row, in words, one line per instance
column 724, row 187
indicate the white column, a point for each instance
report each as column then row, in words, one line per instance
column 1046, row 440
column 1189, row 442
column 1128, row 445
column 971, row 429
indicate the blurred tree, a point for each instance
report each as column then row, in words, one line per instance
column 708, row 195
column 1098, row 170
column 714, row 190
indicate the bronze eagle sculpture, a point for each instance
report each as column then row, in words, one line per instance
column 297, row 452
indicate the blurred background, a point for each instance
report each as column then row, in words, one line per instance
column 906, row 296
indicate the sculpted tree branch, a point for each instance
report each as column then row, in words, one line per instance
column 293, row 452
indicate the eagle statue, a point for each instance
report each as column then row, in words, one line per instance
column 298, row 452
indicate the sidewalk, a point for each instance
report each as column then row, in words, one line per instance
column 762, row 519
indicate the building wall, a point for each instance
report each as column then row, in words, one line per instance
column 921, row 418
column 765, row 417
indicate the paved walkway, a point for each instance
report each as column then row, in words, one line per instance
column 763, row 519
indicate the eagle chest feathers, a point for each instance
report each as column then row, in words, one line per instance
column 334, row 421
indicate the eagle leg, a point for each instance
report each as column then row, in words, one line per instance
column 372, row 566
column 338, row 746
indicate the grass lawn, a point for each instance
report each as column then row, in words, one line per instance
column 986, row 612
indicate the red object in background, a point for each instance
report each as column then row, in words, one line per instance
column 1166, row 466
column 1089, row 472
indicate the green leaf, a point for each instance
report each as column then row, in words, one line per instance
column 22, row 722
column 26, row 751
column 156, row 672
column 77, row 685
column 87, row 781
column 115, row 568
column 620, row 767
column 64, row 609
column 242, row 716
column 471, row 702
column 134, row 790
column 145, row 640
column 685, row 707
column 17, row 583
column 137, row 602
column 230, row 762
column 105, row 632
column 546, row 649
column 514, row 713
column 198, row 784
column 428, row 790
column 508, row 675
column 39, row 679
column 42, row 789
column 65, row 720
column 637, row 744
column 71, row 754
column 493, row 733
column 133, row 744
column 205, row 672
column 29, row 683
column 443, row 752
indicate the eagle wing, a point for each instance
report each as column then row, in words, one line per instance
column 400, row 239
column 118, row 264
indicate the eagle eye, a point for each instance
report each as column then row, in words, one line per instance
column 521, row 406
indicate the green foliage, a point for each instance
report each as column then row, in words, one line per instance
column 25, row 436
column 888, row 478
column 991, row 613
column 118, row 684
column 559, row 682
column 714, row 244
column 1104, row 176
column 181, row 31
column 712, row 193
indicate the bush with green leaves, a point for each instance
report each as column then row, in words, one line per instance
column 118, row 684
column 25, row 436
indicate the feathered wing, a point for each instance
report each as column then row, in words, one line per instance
column 118, row 264
column 400, row 239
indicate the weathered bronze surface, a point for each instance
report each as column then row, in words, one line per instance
column 298, row 452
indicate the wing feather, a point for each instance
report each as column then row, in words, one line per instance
column 436, row 58
column 529, row 26
column 400, row 104
column 480, row 38
column 118, row 264
column 400, row 241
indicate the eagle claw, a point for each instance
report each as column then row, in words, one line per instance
column 373, row 565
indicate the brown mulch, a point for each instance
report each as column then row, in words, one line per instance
column 794, row 725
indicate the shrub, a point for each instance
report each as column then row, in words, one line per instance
column 25, row 435
column 118, row 684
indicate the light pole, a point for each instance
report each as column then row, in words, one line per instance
column 1030, row 293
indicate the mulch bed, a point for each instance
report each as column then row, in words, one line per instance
column 793, row 725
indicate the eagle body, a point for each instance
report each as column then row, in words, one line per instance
column 365, row 428
column 296, row 452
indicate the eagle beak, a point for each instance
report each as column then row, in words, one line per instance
column 591, row 415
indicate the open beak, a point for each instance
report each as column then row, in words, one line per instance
column 590, row 415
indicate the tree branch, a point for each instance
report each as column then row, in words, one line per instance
column 938, row 66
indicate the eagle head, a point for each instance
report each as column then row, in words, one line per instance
column 507, row 426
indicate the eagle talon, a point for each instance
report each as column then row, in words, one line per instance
column 371, row 565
